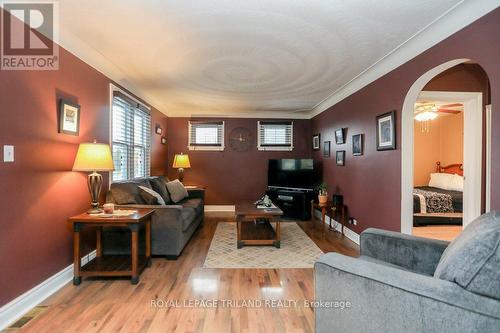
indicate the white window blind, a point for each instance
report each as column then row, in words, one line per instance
column 131, row 138
column 275, row 135
column 204, row 135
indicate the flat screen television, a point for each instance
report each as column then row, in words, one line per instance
column 291, row 173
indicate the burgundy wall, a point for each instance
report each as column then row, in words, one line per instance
column 39, row 191
column 231, row 176
column 159, row 151
column 371, row 184
column 463, row 77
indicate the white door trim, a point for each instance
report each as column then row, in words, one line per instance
column 488, row 157
column 473, row 143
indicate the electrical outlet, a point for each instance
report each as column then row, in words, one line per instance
column 353, row 221
column 8, row 153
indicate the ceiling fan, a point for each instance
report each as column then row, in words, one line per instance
column 425, row 111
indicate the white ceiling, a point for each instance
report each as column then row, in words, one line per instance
column 240, row 57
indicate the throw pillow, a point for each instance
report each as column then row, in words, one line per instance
column 160, row 185
column 125, row 193
column 151, row 197
column 457, row 183
column 472, row 260
column 441, row 180
column 177, row 190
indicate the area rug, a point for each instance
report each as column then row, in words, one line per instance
column 297, row 250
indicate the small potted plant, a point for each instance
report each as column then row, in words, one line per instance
column 322, row 193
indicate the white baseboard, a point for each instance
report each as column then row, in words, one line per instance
column 219, row 208
column 338, row 227
column 13, row 310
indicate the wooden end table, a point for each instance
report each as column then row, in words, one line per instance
column 252, row 232
column 337, row 210
column 112, row 265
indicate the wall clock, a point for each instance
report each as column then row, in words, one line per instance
column 240, row 139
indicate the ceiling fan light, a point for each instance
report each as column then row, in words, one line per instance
column 426, row 116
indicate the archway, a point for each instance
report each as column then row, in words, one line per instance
column 407, row 146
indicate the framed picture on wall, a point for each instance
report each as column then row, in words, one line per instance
column 316, row 141
column 357, row 144
column 69, row 118
column 340, row 157
column 326, row 149
column 340, row 136
column 386, row 131
column 158, row 129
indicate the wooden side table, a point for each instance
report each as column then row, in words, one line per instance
column 337, row 211
column 112, row 265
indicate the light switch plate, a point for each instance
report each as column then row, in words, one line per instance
column 8, row 153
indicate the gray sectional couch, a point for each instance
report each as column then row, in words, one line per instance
column 172, row 225
column 402, row 283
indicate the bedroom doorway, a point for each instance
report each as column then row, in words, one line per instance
column 472, row 148
column 438, row 167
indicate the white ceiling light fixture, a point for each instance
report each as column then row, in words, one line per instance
column 425, row 113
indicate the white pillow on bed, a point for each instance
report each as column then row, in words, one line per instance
column 457, row 183
column 441, row 180
column 447, row 181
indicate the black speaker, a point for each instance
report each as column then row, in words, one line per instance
column 338, row 200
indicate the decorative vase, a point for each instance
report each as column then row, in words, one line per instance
column 322, row 199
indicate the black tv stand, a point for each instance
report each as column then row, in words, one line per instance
column 295, row 203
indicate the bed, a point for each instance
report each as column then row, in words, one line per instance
column 441, row 202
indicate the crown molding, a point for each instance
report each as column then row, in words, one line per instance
column 253, row 115
column 80, row 49
column 453, row 20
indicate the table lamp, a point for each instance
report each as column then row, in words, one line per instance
column 181, row 162
column 93, row 157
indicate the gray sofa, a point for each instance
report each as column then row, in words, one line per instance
column 172, row 224
column 402, row 283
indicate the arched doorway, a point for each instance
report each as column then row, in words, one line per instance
column 472, row 152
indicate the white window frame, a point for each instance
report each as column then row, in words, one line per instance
column 191, row 146
column 273, row 148
column 112, row 89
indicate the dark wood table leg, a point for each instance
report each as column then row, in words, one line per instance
column 98, row 248
column 323, row 219
column 277, row 242
column 77, row 279
column 344, row 217
column 148, row 242
column 239, row 242
column 134, row 228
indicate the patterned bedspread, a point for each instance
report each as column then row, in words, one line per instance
column 433, row 202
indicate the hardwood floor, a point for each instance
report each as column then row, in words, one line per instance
column 108, row 305
column 442, row 232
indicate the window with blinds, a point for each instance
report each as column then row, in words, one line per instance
column 275, row 135
column 131, row 138
column 205, row 135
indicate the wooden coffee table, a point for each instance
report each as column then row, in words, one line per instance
column 112, row 265
column 254, row 225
